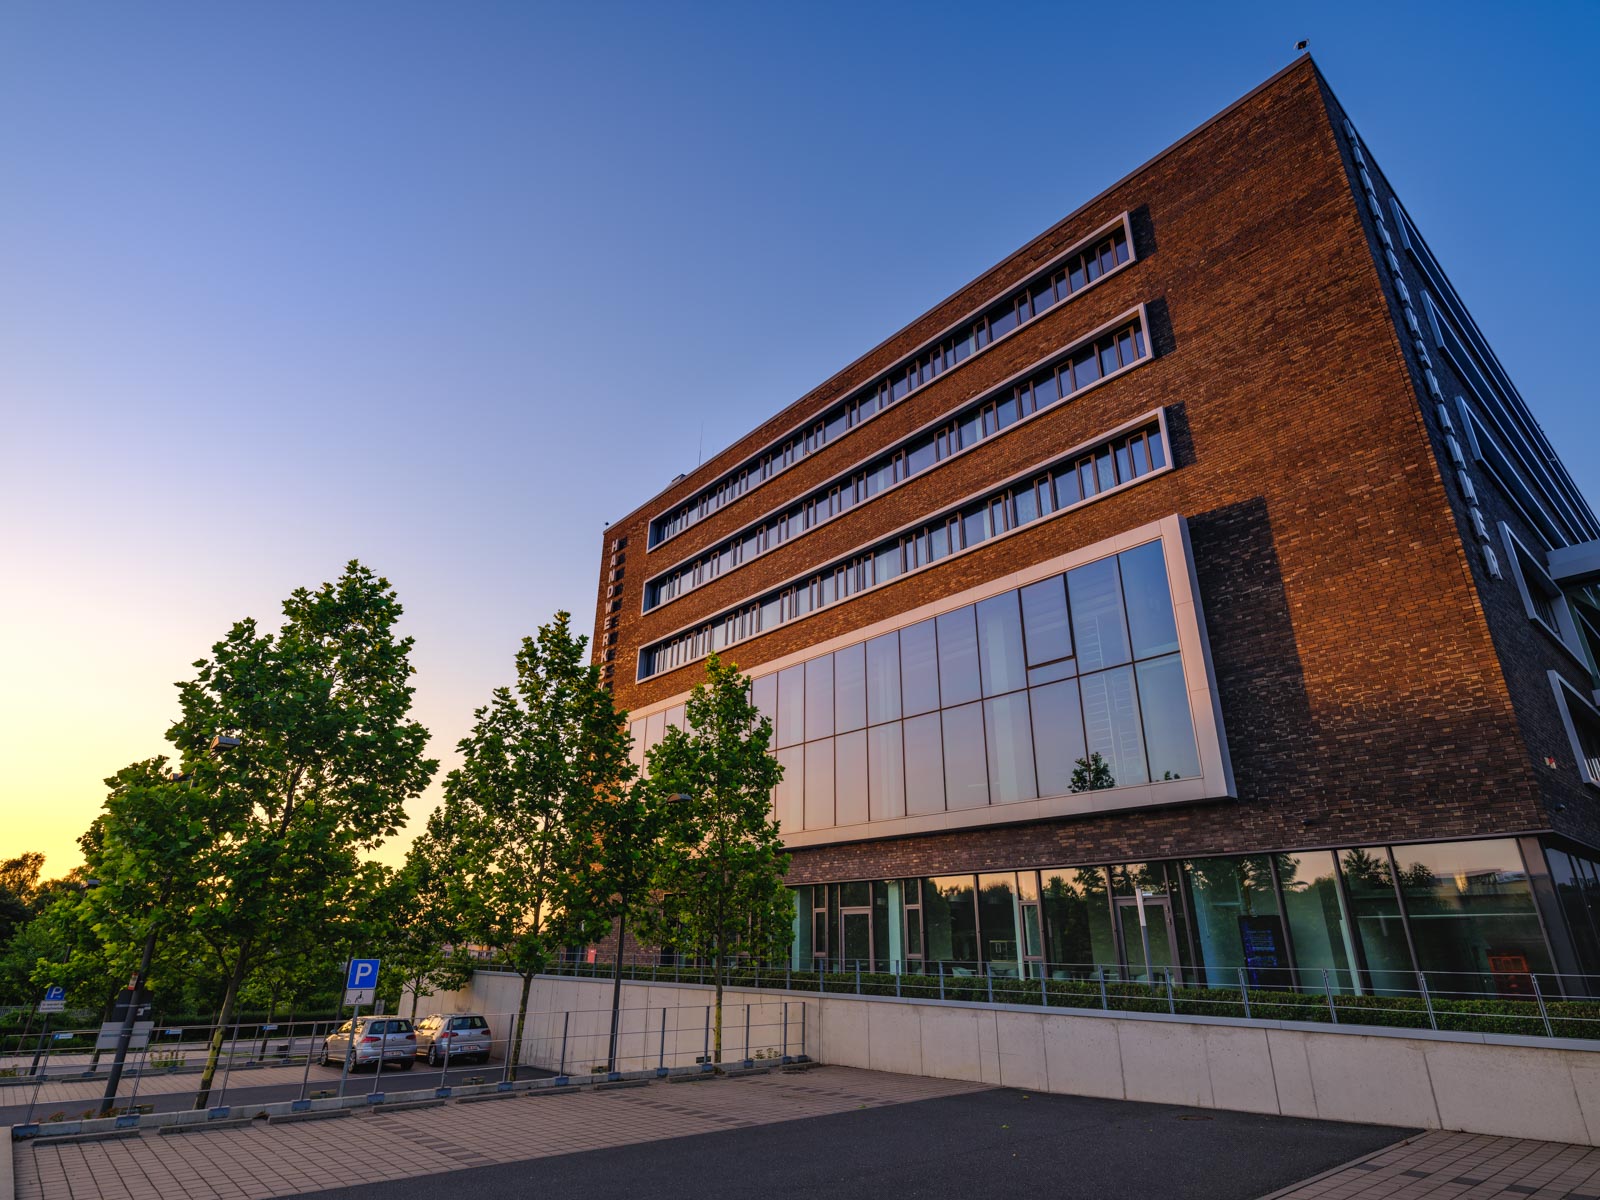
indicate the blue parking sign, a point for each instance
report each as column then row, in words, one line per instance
column 363, row 973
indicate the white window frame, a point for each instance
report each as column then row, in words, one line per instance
column 1565, row 631
column 1566, row 697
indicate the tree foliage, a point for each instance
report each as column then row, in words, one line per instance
column 720, row 891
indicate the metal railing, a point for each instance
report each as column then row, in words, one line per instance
column 1539, row 1004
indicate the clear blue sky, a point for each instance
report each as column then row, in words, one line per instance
column 446, row 286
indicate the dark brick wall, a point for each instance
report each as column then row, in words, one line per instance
column 1361, row 690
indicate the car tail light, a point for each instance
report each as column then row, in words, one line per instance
column 369, row 1041
column 447, row 1034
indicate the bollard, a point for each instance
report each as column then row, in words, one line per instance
column 1244, row 992
column 1327, row 989
column 1427, row 1000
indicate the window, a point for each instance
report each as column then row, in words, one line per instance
column 990, row 517
column 1542, row 599
column 980, row 419
column 1582, row 722
column 1025, row 303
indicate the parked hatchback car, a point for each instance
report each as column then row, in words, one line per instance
column 461, row 1036
column 393, row 1039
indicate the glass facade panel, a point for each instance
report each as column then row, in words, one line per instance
column 950, row 919
column 966, row 772
column 850, row 688
column 958, row 657
column 819, row 785
column 924, row 747
column 1151, row 624
column 1057, row 735
column 1317, row 920
column 1370, row 883
column 886, row 782
column 1168, row 726
column 1472, row 915
column 1111, row 725
column 1237, row 925
column 1077, row 921
column 819, row 697
column 1000, row 645
column 791, row 725
column 1567, row 874
column 883, row 678
column 850, row 777
column 998, row 924
column 1009, row 741
column 919, row 668
column 1044, row 619
column 1098, row 629
column 788, row 798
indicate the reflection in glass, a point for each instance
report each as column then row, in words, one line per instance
column 764, row 695
column 788, row 798
column 1077, row 921
column 924, row 748
column 1111, row 724
column 1057, row 735
column 1144, row 582
column 1044, row 620
column 850, row 776
column 958, row 657
column 819, row 697
column 1000, row 645
column 966, row 772
column 1009, row 742
column 791, row 727
column 1236, row 921
column 1168, row 727
column 919, row 668
column 1097, row 626
column 1377, row 915
column 850, row 687
column 950, row 920
column 883, row 678
column 819, row 785
column 1317, row 920
column 997, row 923
column 1472, row 914
column 886, row 783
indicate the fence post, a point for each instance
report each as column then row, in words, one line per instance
column 787, row 982
column 897, row 975
column 305, row 1080
column 858, row 977
column 661, row 1058
column 748, row 1061
column 1172, row 1006
column 1544, row 1015
column 1327, row 989
column 561, row 1071
column 1244, row 992
column 941, row 979
column 1427, row 1000
column 988, row 975
column 785, row 1055
column 1100, row 975
column 802, row 1030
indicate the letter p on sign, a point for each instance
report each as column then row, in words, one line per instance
column 361, row 984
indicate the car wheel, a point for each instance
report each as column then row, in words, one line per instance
column 324, row 1061
column 433, row 1057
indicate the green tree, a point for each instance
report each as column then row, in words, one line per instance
column 518, row 824
column 719, row 883
column 414, row 929
column 327, row 757
column 1092, row 774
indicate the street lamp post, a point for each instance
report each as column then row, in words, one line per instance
column 136, row 984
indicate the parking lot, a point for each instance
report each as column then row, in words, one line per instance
column 831, row 1132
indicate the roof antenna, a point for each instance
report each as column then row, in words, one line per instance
column 700, row 449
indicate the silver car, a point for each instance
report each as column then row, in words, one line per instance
column 391, row 1038
column 458, row 1036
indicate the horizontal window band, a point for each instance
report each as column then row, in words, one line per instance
column 1063, row 483
column 1098, row 356
column 1076, row 269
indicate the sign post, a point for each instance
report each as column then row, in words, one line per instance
column 360, row 987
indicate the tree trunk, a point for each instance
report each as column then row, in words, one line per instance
column 616, row 993
column 203, row 1096
column 716, row 1036
column 514, row 1050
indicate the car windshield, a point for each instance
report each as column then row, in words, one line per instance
column 468, row 1023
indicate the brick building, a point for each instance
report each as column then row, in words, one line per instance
column 1192, row 591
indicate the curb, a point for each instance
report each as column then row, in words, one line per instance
column 293, row 1118
column 1292, row 1188
column 377, row 1110
column 99, row 1135
column 200, row 1126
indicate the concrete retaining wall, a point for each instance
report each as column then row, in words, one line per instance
column 1480, row 1083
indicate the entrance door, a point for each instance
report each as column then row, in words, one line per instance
column 855, row 938
column 1148, row 952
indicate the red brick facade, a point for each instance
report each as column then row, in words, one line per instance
column 1376, row 684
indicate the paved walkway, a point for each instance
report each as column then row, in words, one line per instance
column 286, row 1160
column 1461, row 1166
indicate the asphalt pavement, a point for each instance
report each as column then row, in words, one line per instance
column 991, row 1143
